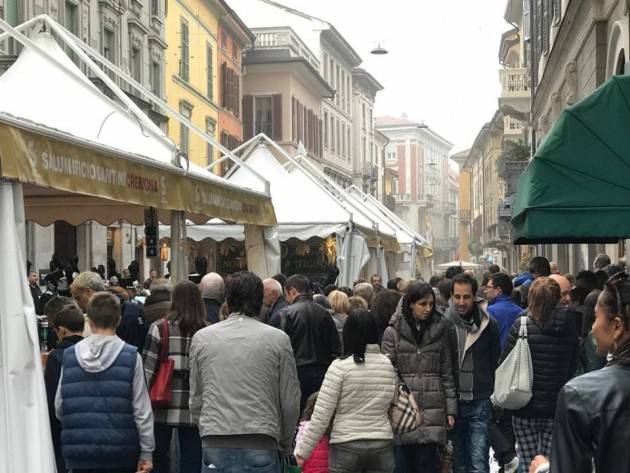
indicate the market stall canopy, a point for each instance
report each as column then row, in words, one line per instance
column 405, row 235
column 84, row 157
column 462, row 264
column 576, row 189
column 303, row 208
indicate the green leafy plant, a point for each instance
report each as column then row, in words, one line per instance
column 513, row 152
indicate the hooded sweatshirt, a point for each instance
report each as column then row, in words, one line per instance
column 96, row 354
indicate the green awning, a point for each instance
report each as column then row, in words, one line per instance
column 576, row 189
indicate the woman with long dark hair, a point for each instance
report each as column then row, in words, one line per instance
column 358, row 390
column 417, row 342
column 592, row 415
column 186, row 317
column 553, row 344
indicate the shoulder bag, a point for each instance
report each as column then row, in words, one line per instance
column 514, row 379
column 404, row 413
column 161, row 392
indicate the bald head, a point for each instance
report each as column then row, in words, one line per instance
column 272, row 291
column 212, row 287
column 565, row 289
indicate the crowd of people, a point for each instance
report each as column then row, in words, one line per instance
column 268, row 373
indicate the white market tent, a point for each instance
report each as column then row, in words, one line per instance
column 69, row 152
column 411, row 243
column 304, row 208
column 462, row 264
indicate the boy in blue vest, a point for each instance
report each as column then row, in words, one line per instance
column 102, row 400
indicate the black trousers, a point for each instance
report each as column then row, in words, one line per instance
column 417, row 458
column 311, row 379
column 502, row 437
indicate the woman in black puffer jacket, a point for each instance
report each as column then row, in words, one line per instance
column 553, row 343
column 417, row 342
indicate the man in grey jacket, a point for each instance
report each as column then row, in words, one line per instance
column 244, row 390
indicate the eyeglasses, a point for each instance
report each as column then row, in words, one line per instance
column 613, row 284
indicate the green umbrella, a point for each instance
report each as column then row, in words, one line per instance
column 576, row 189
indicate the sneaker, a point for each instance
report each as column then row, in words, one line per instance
column 511, row 467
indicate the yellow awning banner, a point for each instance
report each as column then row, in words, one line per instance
column 30, row 157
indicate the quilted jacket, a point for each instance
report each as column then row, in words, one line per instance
column 359, row 395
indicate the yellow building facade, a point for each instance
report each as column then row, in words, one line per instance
column 191, row 74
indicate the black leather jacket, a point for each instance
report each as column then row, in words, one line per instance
column 312, row 332
column 591, row 423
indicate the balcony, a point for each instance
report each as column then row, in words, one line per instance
column 445, row 244
column 505, row 208
column 284, row 38
column 450, row 208
column 464, row 215
column 515, row 94
column 512, row 126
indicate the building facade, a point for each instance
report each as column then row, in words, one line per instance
column 367, row 167
column 233, row 37
column 283, row 92
column 463, row 204
column 420, row 156
column 192, row 86
column 132, row 36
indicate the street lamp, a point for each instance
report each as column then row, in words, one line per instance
column 379, row 50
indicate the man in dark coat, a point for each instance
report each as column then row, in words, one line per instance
column 273, row 302
column 68, row 325
column 36, row 291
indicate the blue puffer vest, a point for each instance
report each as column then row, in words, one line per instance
column 98, row 426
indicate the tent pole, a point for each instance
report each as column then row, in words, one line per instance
column 83, row 50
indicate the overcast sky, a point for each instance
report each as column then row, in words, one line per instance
column 442, row 65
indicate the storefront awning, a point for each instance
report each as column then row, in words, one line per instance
column 62, row 134
column 577, row 187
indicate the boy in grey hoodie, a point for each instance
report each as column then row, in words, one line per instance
column 102, row 400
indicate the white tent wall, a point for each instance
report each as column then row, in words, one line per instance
column 262, row 248
column 352, row 255
column 25, row 441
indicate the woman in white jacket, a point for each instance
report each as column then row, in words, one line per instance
column 358, row 390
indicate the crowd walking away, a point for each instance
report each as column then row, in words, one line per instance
column 232, row 373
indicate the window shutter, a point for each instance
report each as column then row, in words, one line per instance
column 319, row 137
column 248, row 116
column 237, row 93
column 293, row 122
column 300, row 122
column 276, row 117
column 224, row 85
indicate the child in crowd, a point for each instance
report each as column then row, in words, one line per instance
column 318, row 461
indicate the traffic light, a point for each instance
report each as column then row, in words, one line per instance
column 150, row 234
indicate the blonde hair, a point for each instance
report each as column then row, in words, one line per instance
column 88, row 280
column 357, row 302
column 339, row 302
column 544, row 296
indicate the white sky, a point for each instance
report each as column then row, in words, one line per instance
column 442, row 65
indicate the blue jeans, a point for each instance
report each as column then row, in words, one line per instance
column 471, row 437
column 238, row 460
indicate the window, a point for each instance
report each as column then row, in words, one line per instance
column 224, row 45
column 332, row 134
column 72, row 19
column 363, row 113
column 349, row 143
column 339, row 137
column 344, row 145
column 234, row 50
column 349, row 92
column 209, row 72
column 339, row 85
column 155, row 7
column 263, row 115
column 332, row 73
column 326, row 130
column 184, row 47
column 211, row 129
column 135, row 64
column 343, row 90
column 156, row 78
column 109, row 45
column 326, row 67
column 184, row 132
